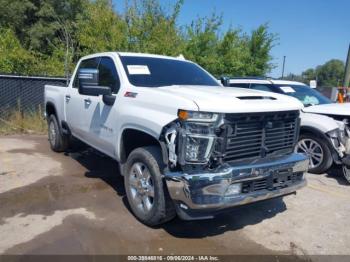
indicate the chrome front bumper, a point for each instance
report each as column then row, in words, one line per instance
column 206, row 191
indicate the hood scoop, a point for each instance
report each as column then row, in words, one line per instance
column 256, row 98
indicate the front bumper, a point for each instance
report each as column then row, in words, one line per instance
column 200, row 195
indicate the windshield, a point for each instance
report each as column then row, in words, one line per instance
column 305, row 94
column 155, row 72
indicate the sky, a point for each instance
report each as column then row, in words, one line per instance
column 310, row 32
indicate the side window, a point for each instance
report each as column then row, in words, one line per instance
column 87, row 63
column 240, row 85
column 108, row 75
column 261, row 87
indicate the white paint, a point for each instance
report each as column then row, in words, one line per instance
column 152, row 109
column 331, row 109
column 21, row 229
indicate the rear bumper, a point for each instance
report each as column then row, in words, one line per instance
column 200, row 195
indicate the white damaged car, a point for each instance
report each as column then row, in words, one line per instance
column 324, row 133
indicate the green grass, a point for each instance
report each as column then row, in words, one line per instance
column 17, row 122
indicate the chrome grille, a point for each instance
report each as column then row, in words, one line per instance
column 260, row 134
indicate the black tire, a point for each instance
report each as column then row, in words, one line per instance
column 162, row 208
column 327, row 161
column 58, row 142
column 346, row 173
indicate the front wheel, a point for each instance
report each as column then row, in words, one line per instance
column 318, row 152
column 145, row 189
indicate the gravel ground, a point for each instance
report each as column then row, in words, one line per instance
column 75, row 204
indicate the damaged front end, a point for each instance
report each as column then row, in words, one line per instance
column 340, row 141
column 191, row 140
column 206, row 175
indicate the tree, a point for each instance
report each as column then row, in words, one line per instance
column 35, row 22
column 100, row 29
column 331, row 73
column 309, row 74
column 234, row 54
column 201, row 42
column 260, row 44
column 151, row 29
column 13, row 57
column 52, row 35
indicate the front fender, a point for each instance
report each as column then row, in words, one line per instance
column 321, row 123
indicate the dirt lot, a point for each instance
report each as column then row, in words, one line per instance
column 75, row 204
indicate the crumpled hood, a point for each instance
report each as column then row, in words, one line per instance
column 233, row 100
column 329, row 109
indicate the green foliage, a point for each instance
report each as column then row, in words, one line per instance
column 151, row 29
column 329, row 74
column 230, row 54
column 13, row 57
column 260, row 45
column 47, row 37
column 309, row 74
column 202, row 42
column 100, row 29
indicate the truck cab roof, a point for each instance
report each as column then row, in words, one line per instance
column 180, row 58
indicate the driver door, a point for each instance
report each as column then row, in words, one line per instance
column 100, row 121
column 77, row 108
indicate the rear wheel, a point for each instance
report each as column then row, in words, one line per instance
column 58, row 141
column 346, row 173
column 318, row 152
column 145, row 189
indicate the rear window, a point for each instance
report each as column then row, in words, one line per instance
column 156, row 72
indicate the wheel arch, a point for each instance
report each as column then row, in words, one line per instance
column 132, row 138
column 314, row 131
column 50, row 109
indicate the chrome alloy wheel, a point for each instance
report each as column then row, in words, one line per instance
column 141, row 187
column 52, row 133
column 312, row 149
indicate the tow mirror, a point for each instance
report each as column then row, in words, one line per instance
column 88, row 83
column 225, row 81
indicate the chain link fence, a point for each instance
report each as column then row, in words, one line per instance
column 24, row 93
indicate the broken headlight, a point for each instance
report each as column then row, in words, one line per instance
column 198, row 142
column 340, row 135
column 335, row 137
column 198, row 136
column 339, row 140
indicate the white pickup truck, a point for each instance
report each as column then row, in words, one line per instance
column 185, row 144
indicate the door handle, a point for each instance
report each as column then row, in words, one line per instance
column 67, row 98
column 87, row 101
